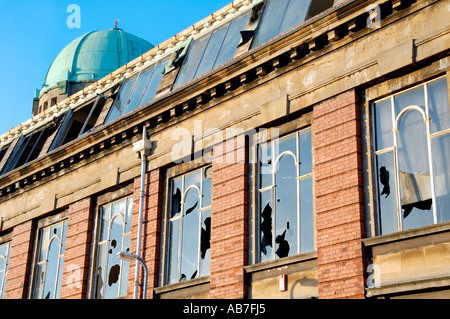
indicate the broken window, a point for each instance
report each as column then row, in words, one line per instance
column 114, row 231
column 188, row 242
column 49, row 259
column 4, row 261
column 286, row 225
column 411, row 151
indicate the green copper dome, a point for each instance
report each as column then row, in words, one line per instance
column 93, row 56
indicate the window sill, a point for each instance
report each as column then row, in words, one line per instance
column 182, row 285
column 407, row 234
column 281, row 262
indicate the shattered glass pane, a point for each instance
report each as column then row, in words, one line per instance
column 175, row 208
column 414, row 171
column 266, row 226
column 306, row 216
column 441, row 159
column 286, row 210
column 387, row 200
column 383, row 125
column 438, row 105
column 52, row 270
column 205, row 243
column 190, row 236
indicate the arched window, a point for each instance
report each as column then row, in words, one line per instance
column 411, row 146
column 188, row 243
column 49, row 261
column 111, row 273
column 286, row 223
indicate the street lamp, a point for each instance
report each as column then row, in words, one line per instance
column 132, row 257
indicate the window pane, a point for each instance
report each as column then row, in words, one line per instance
column 295, row 14
column 284, row 144
column 441, row 159
column 305, row 152
column 231, row 41
column 414, row 171
column 306, row 216
column 121, row 100
column 114, row 264
column 413, row 97
column 438, row 105
column 266, row 225
column 383, row 125
column 286, row 221
column 175, row 208
column 270, row 21
column 205, row 243
column 206, row 188
column 190, row 237
column 387, row 201
column 138, row 91
column 209, row 56
column 265, row 165
column 153, row 84
column 4, row 260
column 191, row 62
column 174, row 240
column 52, row 270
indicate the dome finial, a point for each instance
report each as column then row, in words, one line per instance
column 116, row 23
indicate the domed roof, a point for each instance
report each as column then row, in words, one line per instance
column 93, row 56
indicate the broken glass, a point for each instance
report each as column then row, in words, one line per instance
column 438, row 105
column 114, row 264
column 286, row 210
column 383, row 125
column 266, row 226
column 387, row 193
column 441, row 159
column 190, row 235
column 51, row 269
column 206, row 187
column 176, row 197
column 4, row 260
column 205, row 243
column 414, row 171
column 265, row 165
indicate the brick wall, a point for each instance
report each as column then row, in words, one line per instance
column 339, row 197
column 151, row 231
column 229, row 221
column 20, row 261
column 78, row 245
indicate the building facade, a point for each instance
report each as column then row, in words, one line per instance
column 276, row 149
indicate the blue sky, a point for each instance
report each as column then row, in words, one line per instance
column 35, row 31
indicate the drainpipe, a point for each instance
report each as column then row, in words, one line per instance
column 143, row 148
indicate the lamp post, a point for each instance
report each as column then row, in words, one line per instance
column 132, row 257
